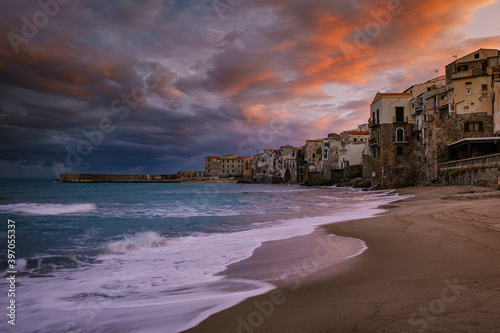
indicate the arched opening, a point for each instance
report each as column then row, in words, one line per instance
column 288, row 175
column 400, row 134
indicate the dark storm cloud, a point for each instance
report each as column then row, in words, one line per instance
column 158, row 85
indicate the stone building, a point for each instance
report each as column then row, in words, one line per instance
column 226, row 166
column 261, row 170
column 330, row 155
column 391, row 148
column 444, row 113
column 247, row 167
column 313, row 154
column 355, row 137
column 461, row 109
column 213, row 166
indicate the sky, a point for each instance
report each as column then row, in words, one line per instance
column 153, row 87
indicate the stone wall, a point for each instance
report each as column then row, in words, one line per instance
column 98, row 178
column 353, row 171
column 397, row 165
column 479, row 176
column 441, row 130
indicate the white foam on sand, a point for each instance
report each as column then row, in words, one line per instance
column 149, row 283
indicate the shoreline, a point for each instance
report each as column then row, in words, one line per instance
column 418, row 250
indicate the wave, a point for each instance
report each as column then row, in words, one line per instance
column 138, row 241
column 47, row 209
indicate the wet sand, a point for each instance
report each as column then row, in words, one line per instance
column 432, row 265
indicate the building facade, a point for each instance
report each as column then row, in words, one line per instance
column 227, row 166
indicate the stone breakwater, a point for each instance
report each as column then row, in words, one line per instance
column 117, row 178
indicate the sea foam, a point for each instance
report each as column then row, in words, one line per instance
column 47, row 209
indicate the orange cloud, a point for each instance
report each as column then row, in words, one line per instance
column 256, row 115
column 324, row 124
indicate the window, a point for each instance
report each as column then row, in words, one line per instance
column 400, row 113
column 429, row 88
column 468, row 91
column 476, row 56
column 466, row 107
column 399, row 150
column 463, row 68
column 475, row 126
column 354, row 139
column 484, row 95
column 400, row 135
column 378, row 116
column 468, row 83
column 484, row 87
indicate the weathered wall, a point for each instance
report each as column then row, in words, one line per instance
column 392, row 170
column 480, row 176
column 496, row 108
column 353, row 171
column 441, row 130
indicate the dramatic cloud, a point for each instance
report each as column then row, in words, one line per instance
column 154, row 86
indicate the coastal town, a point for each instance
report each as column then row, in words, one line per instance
column 443, row 131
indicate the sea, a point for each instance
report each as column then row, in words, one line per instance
column 151, row 257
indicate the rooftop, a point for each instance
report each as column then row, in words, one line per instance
column 357, row 132
column 483, row 139
column 390, row 95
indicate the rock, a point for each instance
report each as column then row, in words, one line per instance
column 356, row 182
column 361, row 183
column 375, row 187
column 425, row 183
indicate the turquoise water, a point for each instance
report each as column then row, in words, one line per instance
column 148, row 257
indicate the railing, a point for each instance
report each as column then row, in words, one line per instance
column 400, row 120
column 487, row 160
column 373, row 122
column 470, row 72
column 418, row 105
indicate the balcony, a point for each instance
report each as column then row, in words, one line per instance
column 417, row 106
column 468, row 73
column 400, row 120
column 415, row 128
column 374, row 142
column 373, row 122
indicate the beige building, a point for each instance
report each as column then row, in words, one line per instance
column 227, row 166
column 471, row 77
column 355, row 137
column 313, row 154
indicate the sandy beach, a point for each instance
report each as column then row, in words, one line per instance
column 432, row 265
